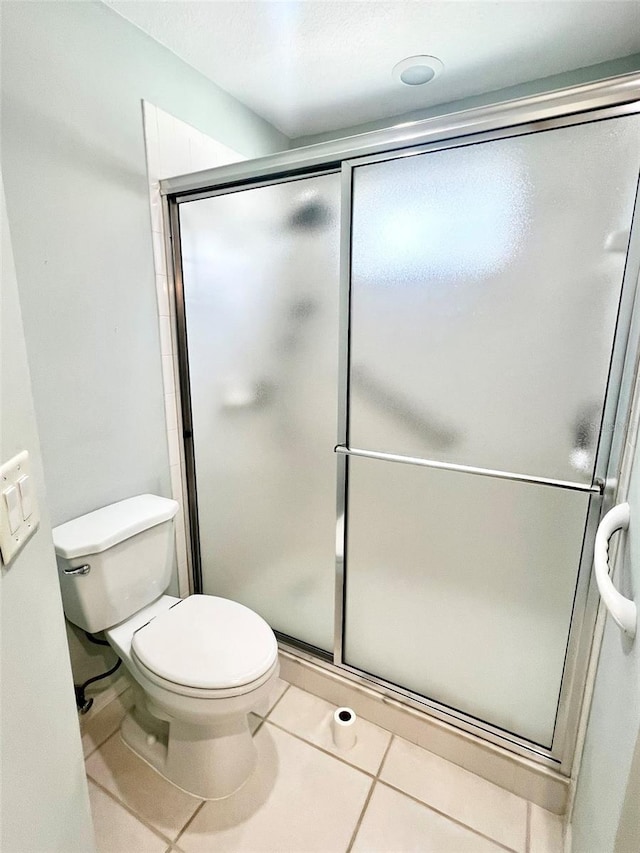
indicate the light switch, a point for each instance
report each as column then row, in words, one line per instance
column 24, row 487
column 19, row 517
column 12, row 502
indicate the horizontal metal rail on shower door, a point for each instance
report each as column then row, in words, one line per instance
column 595, row 489
column 571, row 106
column 573, row 103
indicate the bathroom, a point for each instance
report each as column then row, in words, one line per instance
column 101, row 102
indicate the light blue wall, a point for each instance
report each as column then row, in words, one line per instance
column 73, row 76
column 44, row 802
column 535, row 87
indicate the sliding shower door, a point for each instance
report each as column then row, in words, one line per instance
column 448, row 314
column 485, row 288
column 260, row 274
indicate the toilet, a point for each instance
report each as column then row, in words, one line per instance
column 199, row 665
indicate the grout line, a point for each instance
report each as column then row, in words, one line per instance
column 190, row 821
column 117, row 726
column 370, row 794
column 527, row 836
column 322, row 749
column 449, row 817
column 127, row 808
column 384, row 757
column 102, row 742
column 278, row 700
column 361, row 816
column 258, row 727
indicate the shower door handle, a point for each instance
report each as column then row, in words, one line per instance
column 623, row 610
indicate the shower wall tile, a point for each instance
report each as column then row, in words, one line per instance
column 173, row 141
column 177, row 484
column 156, row 209
column 168, row 376
column 162, row 291
column 171, row 412
column 174, row 148
column 159, row 251
column 174, row 447
column 166, row 343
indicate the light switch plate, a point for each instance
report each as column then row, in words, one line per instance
column 10, row 473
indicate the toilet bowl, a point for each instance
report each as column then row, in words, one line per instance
column 199, row 665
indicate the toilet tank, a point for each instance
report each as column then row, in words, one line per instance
column 124, row 552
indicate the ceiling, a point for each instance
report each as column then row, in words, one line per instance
column 319, row 65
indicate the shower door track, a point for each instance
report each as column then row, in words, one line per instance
column 573, row 106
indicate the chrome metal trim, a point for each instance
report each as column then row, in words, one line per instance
column 595, row 489
column 506, row 132
column 286, row 641
column 242, row 184
column 460, row 721
column 185, row 398
column 571, row 667
column 618, row 405
column 78, row 570
column 343, row 405
column 614, row 91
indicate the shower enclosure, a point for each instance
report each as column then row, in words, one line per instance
column 432, row 323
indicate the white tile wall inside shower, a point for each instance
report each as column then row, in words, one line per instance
column 174, row 147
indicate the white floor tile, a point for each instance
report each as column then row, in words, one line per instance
column 117, row 831
column 546, row 831
column 310, row 717
column 456, row 792
column 298, row 800
column 278, row 689
column 144, row 791
column 103, row 724
column 393, row 822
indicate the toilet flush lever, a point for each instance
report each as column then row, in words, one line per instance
column 78, row 570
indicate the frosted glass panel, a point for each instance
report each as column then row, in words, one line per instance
column 485, row 288
column 260, row 274
column 460, row 588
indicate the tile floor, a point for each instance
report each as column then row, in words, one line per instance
column 385, row 795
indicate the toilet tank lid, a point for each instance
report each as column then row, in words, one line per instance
column 103, row 528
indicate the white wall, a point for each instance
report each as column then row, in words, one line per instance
column 545, row 84
column 73, row 78
column 44, row 802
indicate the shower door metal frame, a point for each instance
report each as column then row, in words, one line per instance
column 606, row 99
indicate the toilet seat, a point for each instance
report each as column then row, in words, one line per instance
column 206, row 646
column 199, row 692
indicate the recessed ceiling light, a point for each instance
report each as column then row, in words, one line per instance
column 417, row 70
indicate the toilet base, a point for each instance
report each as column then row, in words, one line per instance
column 211, row 762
